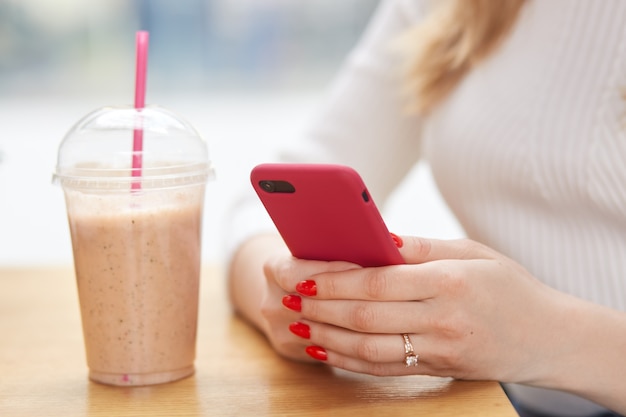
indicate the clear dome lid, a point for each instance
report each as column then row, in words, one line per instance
column 98, row 151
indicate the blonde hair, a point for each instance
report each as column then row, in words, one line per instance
column 454, row 37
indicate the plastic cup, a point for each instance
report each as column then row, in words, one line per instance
column 136, row 241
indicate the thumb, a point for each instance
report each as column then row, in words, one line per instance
column 416, row 250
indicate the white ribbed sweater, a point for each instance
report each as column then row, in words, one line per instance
column 529, row 151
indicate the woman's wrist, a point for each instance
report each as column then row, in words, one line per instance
column 584, row 354
column 246, row 281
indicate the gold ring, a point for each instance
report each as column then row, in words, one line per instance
column 410, row 358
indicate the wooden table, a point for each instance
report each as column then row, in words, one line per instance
column 43, row 370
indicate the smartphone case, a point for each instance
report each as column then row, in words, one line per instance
column 324, row 212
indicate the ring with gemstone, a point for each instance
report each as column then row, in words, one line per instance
column 410, row 358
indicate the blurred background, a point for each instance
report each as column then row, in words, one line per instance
column 248, row 74
column 77, row 46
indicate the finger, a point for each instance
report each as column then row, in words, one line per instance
column 383, row 348
column 386, row 354
column 390, row 283
column 287, row 271
column 443, row 362
column 352, row 364
column 367, row 316
column 418, row 282
column 372, row 354
column 417, row 250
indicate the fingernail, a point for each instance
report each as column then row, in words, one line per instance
column 300, row 329
column 293, row 302
column 317, row 352
column 308, row 287
column 397, row 240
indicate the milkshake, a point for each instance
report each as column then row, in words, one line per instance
column 136, row 240
column 137, row 271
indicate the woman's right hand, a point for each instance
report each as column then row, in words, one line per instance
column 257, row 268
column 283, row 268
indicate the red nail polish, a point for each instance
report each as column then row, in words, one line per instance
column 397, row 240
column 308, row 288
column 293, row 302
column 300, row 329
column 317, row 352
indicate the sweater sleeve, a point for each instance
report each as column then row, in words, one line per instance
column 363, row 122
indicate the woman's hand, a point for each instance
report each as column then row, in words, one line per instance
column 283, row 272
column 261, row 274
column 469, row 311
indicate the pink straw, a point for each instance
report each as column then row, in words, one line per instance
column 141, row 41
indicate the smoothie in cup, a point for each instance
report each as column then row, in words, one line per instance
column 136, row 240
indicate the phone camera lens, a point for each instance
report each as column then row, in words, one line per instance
column 268, row 186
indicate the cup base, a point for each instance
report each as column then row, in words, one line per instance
column 131, row 380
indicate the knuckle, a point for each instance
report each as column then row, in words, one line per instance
column 422, row 247
column 362, row 317
column 271, row 267
column 475, row 249
column 438, row 325
column 280, row 270
column 314, row 310
column 453, row 282
column 456, row 286
column 450, row 326
column 266, row 311
column 450, row 357
column 286, row 348
column 328, row 286
column 376, row 284
column 271, row 310
column 367, row 349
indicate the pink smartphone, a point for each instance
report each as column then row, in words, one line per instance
column 324, row 212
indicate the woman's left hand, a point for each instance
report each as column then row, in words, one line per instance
column 470, row 313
